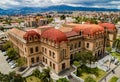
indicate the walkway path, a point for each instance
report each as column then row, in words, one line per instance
column 111, row 74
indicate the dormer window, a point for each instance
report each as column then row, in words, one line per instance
column 30, row 38
column 80, row 33
column 35, row 37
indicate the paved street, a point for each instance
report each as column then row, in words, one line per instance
column 4, row 66
column 117, row 73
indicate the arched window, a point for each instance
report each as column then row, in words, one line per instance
column 79, row 45
column 75, row 46
column 71, row 46
column 35, row 37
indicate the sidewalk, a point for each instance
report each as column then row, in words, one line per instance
column 109, row 76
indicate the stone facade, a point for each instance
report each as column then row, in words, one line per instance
column 56, row 48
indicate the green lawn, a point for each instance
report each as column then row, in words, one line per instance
column 113, row 79
column 101, row 73
column 95, row 73
column 115, row 54
column 32, row 79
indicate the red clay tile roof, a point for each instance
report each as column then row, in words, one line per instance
column 30, row 33
column 17, row 32
column 55, row 35
column 88, row 28
column 71, row 33
column 109, row 26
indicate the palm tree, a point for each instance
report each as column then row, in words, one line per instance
column 117, row 44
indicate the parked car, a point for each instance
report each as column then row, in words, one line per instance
column 116, row 61
column 4, row 53
column 7, row 58
column 13, row 66
column 11, row 62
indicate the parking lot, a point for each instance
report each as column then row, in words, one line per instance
column 4, row 66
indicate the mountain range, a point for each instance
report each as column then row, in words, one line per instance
column 28, row 10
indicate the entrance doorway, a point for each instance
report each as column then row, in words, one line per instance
column 63, row 66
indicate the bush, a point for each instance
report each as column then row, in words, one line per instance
column 62, row 80
column 88, row 70
column 89, row 79
column 76, row 63
column 79, row 72
column 113, row 79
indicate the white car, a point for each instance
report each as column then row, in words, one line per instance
column 4, row 53
column 13, row 66
column 11, row 63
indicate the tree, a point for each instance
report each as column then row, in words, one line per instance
column 62, row 80
column 89, row 79
column 11, row 77
column 108, row 49
column 7, row 45
column 116, row 44
column 12, row 53
column 20, row 62
column 85, row 57
column 79, row 72
column 36, row 73
column 1, row 28
column 62, row 17
column 47, row 73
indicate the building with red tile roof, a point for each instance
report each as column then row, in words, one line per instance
column 55, row 48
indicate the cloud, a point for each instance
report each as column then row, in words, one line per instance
column 46, row 3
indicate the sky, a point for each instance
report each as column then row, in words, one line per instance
column 5, row 4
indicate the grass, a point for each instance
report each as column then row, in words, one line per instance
column 113, row 79
column 101, row 73
column 95, row 73
column 115, row 54
column 32, row 79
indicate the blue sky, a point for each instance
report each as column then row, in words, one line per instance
column 45, row 3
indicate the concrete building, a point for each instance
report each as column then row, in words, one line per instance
column 56, row 48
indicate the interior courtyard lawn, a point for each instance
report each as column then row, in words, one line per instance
column 115, row 54
column 113, row 79
column 32, row 79
column 95, row 73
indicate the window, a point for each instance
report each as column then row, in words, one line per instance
column 35, row 37
column 25, row 49
column 50, row 64
column 63, row 66
column 75, row 45
column 43, row 59
column 36, row 49
column 30, row 38
column 43, row 49
column 46, row 60
column 79, row 45
column 71, row 46
column 53, row 66
column 31, row 50
column 32, row 60
column 37, row 59
column 87, row 45
column 53, row 55
column 49, row 52
column 80, row 33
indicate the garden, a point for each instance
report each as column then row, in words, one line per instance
column 85, row 72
